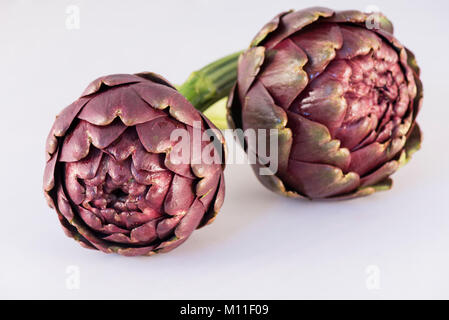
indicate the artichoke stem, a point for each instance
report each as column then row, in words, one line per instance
column 211, row 84
column 217, row 113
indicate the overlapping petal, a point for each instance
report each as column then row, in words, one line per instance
column 109, row 175
column 344, row 89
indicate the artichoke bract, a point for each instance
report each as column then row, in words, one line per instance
column 342, row 93
column 110, row 173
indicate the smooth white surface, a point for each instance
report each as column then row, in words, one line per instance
column 261, row 245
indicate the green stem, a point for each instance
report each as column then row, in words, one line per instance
column 210, row 84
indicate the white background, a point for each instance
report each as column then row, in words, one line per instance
column 261, row 245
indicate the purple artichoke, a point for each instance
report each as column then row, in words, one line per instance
column 343, row 94
column 110, row 173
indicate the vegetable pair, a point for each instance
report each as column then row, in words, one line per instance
column 338, row 93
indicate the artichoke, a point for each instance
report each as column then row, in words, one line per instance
column 342, row 93
column 110, row 173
